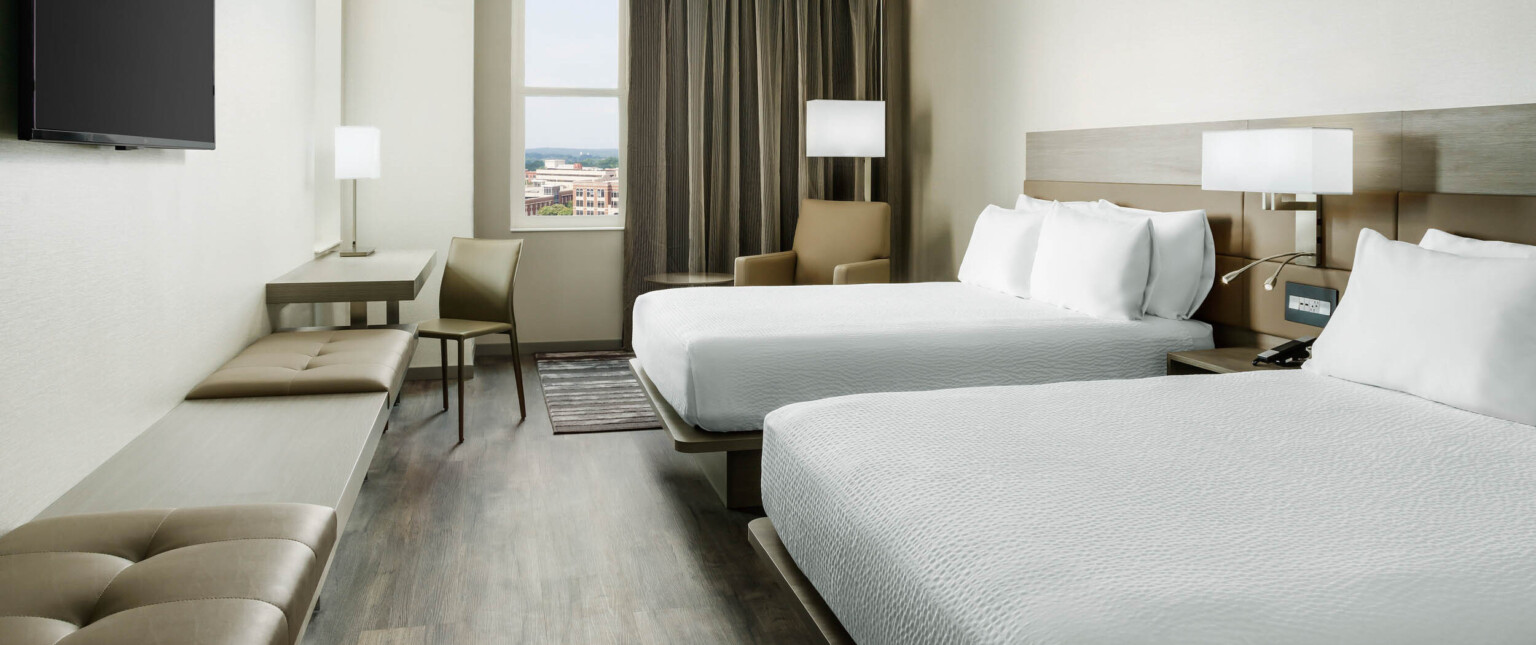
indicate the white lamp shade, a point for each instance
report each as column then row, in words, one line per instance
column 1317, row 161
column 844, row 128
column 357, row 152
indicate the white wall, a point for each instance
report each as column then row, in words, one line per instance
column 130, row 275
column 328, row 71
column 1069, row 64
column 570, row 284
column 410, row 72
column 966, row 130
column 1122, row 62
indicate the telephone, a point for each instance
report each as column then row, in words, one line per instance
column 1289, row 354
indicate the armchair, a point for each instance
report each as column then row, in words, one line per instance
column 835, row 243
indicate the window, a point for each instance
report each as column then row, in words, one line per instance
column 567, row 93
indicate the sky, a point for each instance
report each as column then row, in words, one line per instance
column 572, row 43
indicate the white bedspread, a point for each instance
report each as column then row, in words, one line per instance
column 726, row 357
column 1251, row 508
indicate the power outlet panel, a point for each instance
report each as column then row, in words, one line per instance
column 1310, row 305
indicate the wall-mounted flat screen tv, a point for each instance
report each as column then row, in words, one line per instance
column 119, row 73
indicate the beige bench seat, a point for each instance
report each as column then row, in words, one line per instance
column 313, row 362
column 211, row 576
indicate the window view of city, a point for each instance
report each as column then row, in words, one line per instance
column 571, row 110
column 571, row 181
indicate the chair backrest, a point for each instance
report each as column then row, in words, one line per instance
column 832, row 233
column 477, row 280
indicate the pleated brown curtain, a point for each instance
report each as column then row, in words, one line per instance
column 715, row 160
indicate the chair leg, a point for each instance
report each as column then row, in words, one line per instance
column 517, row 365
column 442, row 344
column 460, row 345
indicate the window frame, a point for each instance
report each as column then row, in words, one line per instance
column 520, row 220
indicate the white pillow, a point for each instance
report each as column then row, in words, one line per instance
column 1092, row 263
column 1438, row 240
column 1002, row 250
column 1183, row 260
column 1027, row 203
column 1458, row 330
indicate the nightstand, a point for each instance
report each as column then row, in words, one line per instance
column 1223, row 360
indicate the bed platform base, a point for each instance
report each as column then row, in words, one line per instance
column 765, row 540
column 732, row 461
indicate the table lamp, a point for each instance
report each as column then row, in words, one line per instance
column 846, row 129
column 357, row 157
column 1306, row 162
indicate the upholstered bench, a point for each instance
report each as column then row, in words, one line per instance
column 327, row 361
column 209, row 576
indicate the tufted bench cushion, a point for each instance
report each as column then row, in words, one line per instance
column 312, row 362
column 214, row 575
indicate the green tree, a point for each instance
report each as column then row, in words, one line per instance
column 555, row 209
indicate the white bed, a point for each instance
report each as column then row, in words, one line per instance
column 725, row 357
column 1255, row 508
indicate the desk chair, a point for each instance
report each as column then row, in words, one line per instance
column 476, row 300
column 835, row 243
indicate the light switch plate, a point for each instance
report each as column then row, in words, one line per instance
column 1310, row 305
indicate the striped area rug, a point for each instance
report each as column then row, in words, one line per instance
column 593, row 392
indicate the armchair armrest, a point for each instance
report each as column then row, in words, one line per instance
column 867, row 272
column 766, row 270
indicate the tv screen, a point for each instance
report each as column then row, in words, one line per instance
column 131, row 74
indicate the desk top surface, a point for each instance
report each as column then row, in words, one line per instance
column 385, row 275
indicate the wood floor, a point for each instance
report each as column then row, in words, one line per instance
column 520, row 536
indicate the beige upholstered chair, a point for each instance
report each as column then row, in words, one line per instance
column 476, row 300
column 835, row 243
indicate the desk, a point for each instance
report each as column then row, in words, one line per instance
column 390, row 276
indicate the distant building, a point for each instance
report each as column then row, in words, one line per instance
column 559, row 172
column 588, row 191
column 596, row 198
column 537, row 197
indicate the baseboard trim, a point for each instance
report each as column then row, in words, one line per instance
column 503, row 349
column 435, row 373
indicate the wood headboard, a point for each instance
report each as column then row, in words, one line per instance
column 1413, row 171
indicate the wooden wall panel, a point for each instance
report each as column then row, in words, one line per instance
column 1267, row 233
column 1486, row 150
column 1245, row 304
column 1488, row 155
column 1344, row 216
column 1224, row 210
column 1511, row 218
column 1266, row 309
column 1227, row 304
column 1159, row 154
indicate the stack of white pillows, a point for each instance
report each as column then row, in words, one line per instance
column 1097, row 258
column 1452, row 319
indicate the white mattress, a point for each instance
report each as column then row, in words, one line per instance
column 1252, row 508
column 726, row 357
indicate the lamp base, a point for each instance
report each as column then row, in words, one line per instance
column 1309, row 223
column 355, row 252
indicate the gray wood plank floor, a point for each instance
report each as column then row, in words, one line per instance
column 520, row 536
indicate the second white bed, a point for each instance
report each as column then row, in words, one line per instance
column 1249, row 508
column 726, row 357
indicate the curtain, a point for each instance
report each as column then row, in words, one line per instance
column 715, row 158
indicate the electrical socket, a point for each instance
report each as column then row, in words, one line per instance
column 1310, row 305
